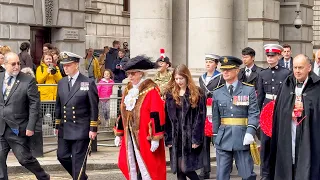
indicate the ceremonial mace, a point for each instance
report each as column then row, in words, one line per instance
column 85, row 158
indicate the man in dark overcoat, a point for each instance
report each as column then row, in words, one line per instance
column 295, row 145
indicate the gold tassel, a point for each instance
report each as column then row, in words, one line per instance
column 255, row 153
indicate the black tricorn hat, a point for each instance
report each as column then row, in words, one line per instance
column 229, row 62
column 139, row 63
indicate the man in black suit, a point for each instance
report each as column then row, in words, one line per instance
column 250, row 73
column 20, row 104
column 76, row 116
column 286, row 61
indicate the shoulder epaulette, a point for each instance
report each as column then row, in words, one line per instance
column 218, row 87
column 247, row 84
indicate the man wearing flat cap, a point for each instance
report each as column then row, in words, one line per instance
column 76, row 116
column 235, row 116
column 141, row 125
column 269, row 82
column 209, row 81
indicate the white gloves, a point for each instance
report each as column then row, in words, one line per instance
column 117, row 141
column 154, row 145
column 248, row 139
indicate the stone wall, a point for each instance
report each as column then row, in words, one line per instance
column 316, row 25
column 66, row 17
column 107, row 24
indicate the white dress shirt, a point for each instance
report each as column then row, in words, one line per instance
column 316, row 68
column 5, row 80
column 74, row 78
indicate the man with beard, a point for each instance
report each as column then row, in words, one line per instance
column 250, row 73
column 163, row 75
column 269, row 82
column 295, row 145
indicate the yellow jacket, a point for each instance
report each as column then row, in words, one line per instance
column 43, row 77
column 96, row 67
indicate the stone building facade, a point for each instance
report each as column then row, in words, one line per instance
column 71, row 25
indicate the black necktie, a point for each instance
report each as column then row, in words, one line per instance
column 70, row 83
column 230, row 89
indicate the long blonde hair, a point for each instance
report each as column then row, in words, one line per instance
column 173, row 88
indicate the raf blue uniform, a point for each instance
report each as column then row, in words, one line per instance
column 76, row 115
column 233, row 116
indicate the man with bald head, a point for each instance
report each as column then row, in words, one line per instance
column 295, row 145
column 19, row 112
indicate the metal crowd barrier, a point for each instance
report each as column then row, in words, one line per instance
column 48, row 110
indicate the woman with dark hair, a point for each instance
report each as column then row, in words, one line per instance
column 185, row 110
column 24, row 56
column 56, row 59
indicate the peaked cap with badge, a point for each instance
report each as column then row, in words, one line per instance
column 230, row 62
column 273, row 49
column 69, row 57
column 139, row 63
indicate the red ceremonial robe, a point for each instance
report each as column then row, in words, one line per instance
column 138, row 127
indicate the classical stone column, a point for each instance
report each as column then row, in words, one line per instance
column 150, row 27
column 299, row 39
column 210, row 30
column 179, row 32
column 263, row 26
column 240, row 26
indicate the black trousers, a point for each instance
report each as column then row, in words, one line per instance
column 71, row 154
column 265, row 156
column 21, row 149
column 206, row 156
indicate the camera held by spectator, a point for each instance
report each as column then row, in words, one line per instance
column 52, row 68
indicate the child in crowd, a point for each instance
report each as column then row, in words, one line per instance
column 104, row 92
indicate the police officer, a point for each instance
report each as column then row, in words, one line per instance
column 235, row 119
column 269, row 82
column 76, row 116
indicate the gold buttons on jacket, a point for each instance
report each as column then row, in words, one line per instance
column 65, row 116
column 74, row 117
column 64, row 107
column 74, row 121
column 64, row 111
column 74, row 112
column 65, row 120
column 73, row 107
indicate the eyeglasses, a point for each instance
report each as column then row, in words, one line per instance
column 131, row 73
column 15, row 63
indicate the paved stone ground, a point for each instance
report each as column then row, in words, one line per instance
column 101, row 175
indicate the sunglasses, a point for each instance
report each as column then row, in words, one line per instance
column 15, row 63
column 131, row 73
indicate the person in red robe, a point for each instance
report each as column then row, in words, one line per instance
column 141, row 125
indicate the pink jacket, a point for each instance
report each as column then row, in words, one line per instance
column 105, row 91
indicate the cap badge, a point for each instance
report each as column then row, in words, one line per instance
column 225, row 60
column 65, row 56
